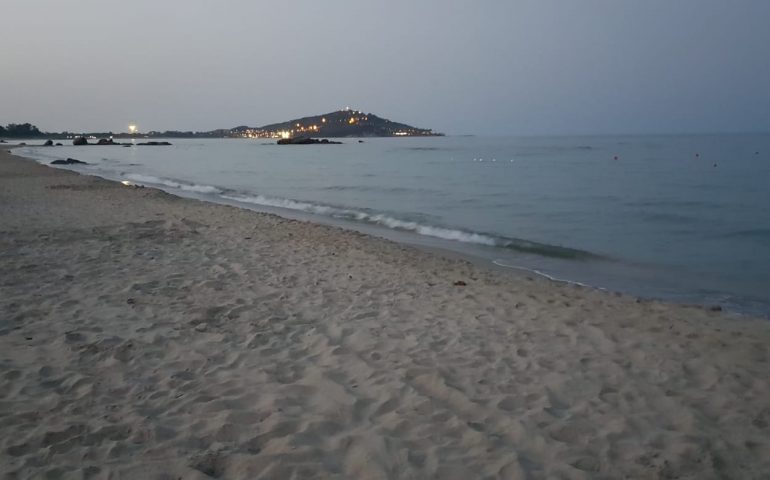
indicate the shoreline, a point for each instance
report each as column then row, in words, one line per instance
column 148, row 334
column 602, row 273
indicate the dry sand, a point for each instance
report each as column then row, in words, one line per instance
column 145, row 336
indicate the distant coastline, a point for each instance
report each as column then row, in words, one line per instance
column 337, row 124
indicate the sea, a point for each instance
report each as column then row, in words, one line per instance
column 678, row 218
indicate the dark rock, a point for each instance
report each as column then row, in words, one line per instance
column 58, row 144
column 715, row 308
column 360, row 141
column 22, row 144
column 80, row 141
column 306, row 141
column 69, row 161
column 154, row 144
column 48, row 143
column 105, row 141
column 460, row 283
column 2, row 141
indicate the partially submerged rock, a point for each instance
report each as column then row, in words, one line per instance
column 48, row 143
column 69, row 161
column 80, row 141
column 306, row 141
column 154, row 144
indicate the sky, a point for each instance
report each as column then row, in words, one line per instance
column 520, row 67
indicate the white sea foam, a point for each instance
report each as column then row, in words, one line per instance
column 283, row 203
column 431, row 231
column 501, row 263
column 149, row 179
column 360, row 216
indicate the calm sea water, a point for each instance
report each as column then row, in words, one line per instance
column 681, row 218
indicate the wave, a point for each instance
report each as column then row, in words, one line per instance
column 373, row 218
column 502, row 263
column 753, row 233
column 188, row 187
column 364, row 188
column 392, row 222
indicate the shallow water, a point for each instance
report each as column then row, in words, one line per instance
column 682, row 218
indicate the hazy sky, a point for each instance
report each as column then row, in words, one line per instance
column 520, row 67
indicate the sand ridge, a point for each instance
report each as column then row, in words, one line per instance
column 147, row 336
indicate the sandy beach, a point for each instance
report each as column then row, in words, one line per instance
column 148, row 336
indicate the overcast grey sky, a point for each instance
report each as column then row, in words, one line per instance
column 499, row 67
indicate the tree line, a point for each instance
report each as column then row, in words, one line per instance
column 20, row 130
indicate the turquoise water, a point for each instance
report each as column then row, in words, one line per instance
column 682, row 218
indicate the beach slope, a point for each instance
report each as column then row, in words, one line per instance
column 147, row 336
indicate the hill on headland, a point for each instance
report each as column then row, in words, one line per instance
column 342, row 123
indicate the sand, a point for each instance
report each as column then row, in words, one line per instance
column 145, row 336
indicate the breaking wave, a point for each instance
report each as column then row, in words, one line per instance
column 372, row 218
column 148, row 179
column 392, row 222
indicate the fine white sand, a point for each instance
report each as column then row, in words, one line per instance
column 144, row 336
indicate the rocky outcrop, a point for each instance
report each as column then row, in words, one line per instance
column 80, row 141
column 105, row 141
column 306, row 141
column 154, row 144
column 48, row 143
column 69, row 161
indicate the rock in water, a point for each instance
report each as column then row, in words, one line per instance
column 69, row 161
column 48, row 143
column 80, row 141
column 306, row 141
column 154, row 144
